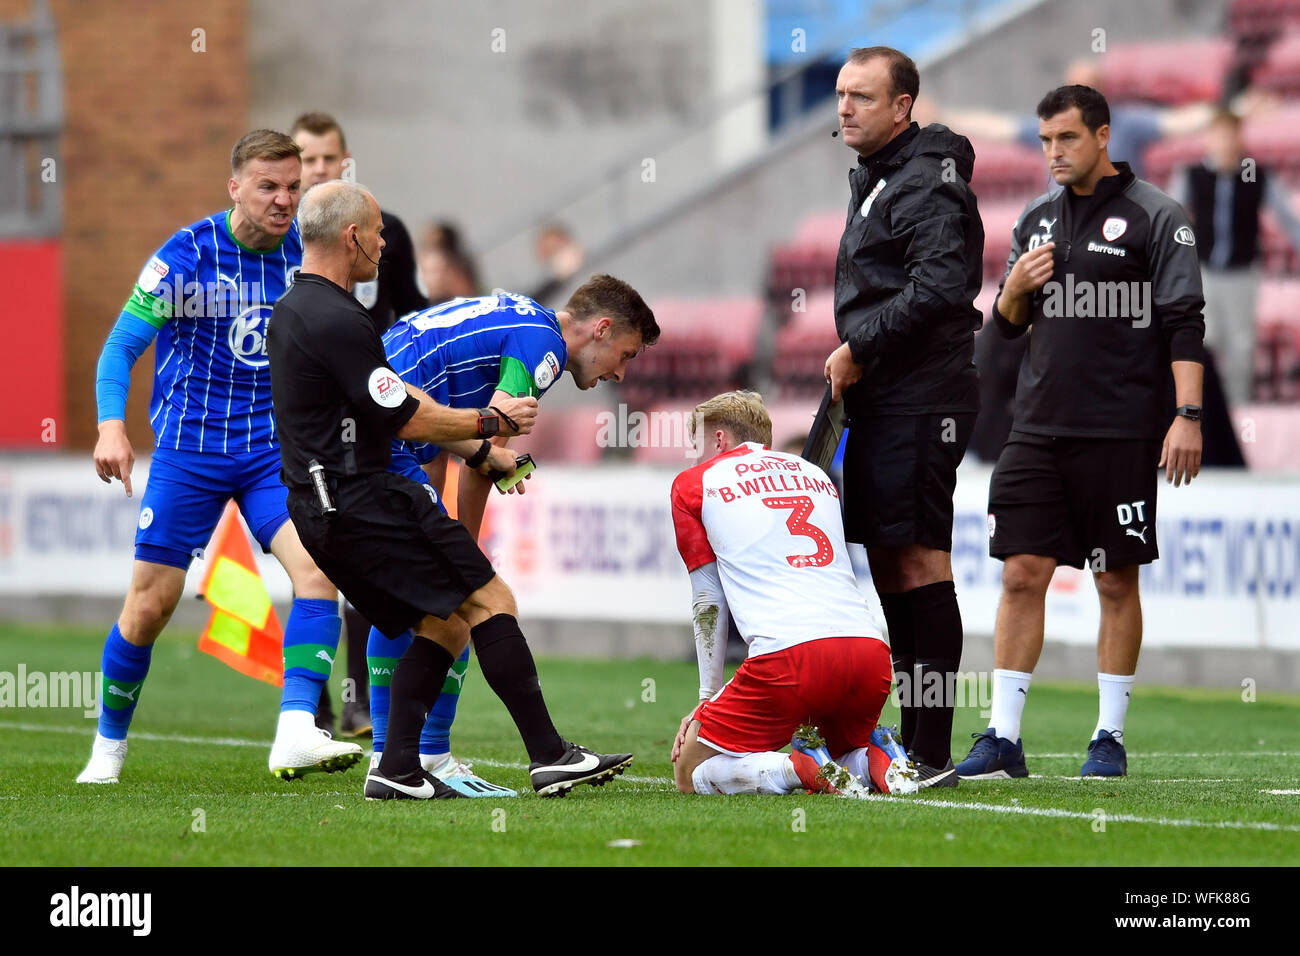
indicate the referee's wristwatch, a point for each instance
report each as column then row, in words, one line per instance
column 489, row 423
column 1191, row 412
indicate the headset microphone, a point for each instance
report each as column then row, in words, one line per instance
column 834, row 134
column 363, row 252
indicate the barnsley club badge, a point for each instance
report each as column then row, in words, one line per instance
column 1113, row 228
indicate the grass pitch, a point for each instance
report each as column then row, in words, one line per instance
column 196, row 791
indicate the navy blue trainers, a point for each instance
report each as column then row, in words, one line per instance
column 993, row 758
column 1106, row 756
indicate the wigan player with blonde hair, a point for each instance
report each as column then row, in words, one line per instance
column 762, row 537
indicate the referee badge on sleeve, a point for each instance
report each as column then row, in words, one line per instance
column 386, row 388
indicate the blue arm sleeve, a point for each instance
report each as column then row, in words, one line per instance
column 129, row 340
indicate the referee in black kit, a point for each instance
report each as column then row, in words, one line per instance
column 909, row 268
column 380, row 537
column 1104, row 269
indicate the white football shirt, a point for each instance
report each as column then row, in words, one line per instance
column 772, row 523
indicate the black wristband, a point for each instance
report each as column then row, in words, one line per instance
column 506, row 418
column 480, row 456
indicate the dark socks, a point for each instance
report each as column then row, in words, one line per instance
column 937, row 636
column 508, row 668
column 902, row 650
column 358, row 630
column 417, row 682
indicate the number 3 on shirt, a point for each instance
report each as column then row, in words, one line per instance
column 800, row 507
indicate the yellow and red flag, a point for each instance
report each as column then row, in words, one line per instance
column 243, row 631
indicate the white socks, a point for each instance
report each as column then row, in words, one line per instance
column 1010, row 691
column 855, row 762
column 1113, row 691
column 294, row 723
column 753, row 773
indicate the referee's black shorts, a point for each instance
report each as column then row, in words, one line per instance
column 899, row 475
column 390, row 550
column 1082, row 501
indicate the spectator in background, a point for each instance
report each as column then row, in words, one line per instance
column 392, row 293
column 1224, row 195
column 448, row 275
column 446, row 268
column 562, row 256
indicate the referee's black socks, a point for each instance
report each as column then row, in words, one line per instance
column 936, row 642
column 508, row 668
column 902, row 651
column 416, row 683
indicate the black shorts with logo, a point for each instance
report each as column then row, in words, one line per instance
column 899, row 475
column 390, row 550
column 1082, row 501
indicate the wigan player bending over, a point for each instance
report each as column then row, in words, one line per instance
column 761, row 534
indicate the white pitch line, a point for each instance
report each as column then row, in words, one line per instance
column 896, row 801
column 1135, row 755
column 1282, row 793
column 1093, row 780
column 240, row 742
column 1080, row 815
column 266, row 744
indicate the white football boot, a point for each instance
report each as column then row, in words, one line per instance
column 462, row 778
column 106, row 759
column 301, row 748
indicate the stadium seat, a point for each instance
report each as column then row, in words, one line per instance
column 566, row 434
column 705, row 347
column 801, row 347
column 1280, row 71
column 1007, row 171
column 1259, row 20
column 1167, row 71
column 1162, row 157
column 1277, row 339
column 1270, row 436
column 1273, row 140
column 999, row 219
column 1278, row 253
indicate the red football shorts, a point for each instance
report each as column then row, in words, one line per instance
column 837, row 683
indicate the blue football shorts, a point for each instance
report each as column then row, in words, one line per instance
column 187, row 492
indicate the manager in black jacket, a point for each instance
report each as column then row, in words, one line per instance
column 1104, row 268
column 908, row 271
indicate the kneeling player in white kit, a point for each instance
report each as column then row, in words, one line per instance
column 763, row 539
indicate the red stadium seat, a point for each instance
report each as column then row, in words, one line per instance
column 1280, row 71
column 1262, row 19
column 999, row 219
column 1007, row 171
column 1273, row 436
column 1164, row 156
column 1172, row 71
column 564, row 434
column 1273, row 140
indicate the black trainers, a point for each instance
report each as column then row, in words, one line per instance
column 577, row 765
column 415, row 786
column 928, row 776
column 355, row 720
